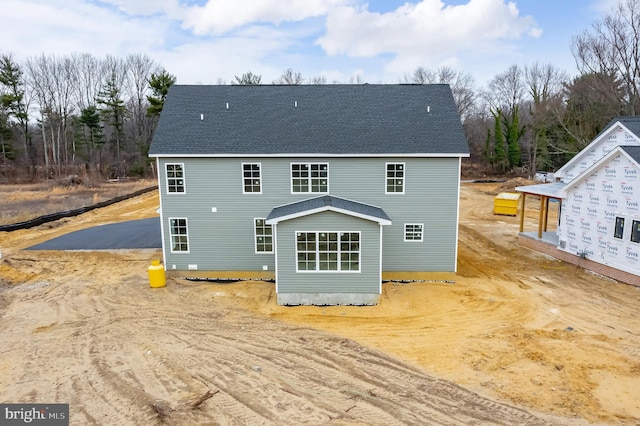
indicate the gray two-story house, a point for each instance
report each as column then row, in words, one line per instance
column 320, row 187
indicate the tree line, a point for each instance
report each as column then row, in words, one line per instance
column 79, row 113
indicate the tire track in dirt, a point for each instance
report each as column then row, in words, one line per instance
column 124, row 347
column 96, row 336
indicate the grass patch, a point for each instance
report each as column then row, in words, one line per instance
column 24, row 202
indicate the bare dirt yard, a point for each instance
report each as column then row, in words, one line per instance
column 514, row 337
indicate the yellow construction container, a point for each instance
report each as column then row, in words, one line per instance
column 506, row 203
column 156, row 274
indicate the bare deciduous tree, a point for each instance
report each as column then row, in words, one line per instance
column 461, row 83
column 506, row 90
column 247, row 79
column 289, row 76
column 545, row 85
column 321, row 79
column 611, row 48
column 140, row 69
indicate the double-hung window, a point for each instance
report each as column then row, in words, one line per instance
column 179, row 235
column 263, row 236
column 413, row 232
column 251, row 178
column 395, row 178
column 618, row 230
column 175, row 177
column 328, row 251
column 309, row 177
column 635, row 231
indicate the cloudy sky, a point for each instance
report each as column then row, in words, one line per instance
column 208, row 41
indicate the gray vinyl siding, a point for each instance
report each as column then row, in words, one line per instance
column 225, row 240
column 365, row 281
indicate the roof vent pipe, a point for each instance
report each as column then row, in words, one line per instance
column 227, row 105
column 295, row 104
column 201, row 117
column 428, row 109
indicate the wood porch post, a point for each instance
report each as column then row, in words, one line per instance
column 546, row 213
column 541, row 217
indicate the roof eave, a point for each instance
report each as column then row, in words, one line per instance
column 315, row 154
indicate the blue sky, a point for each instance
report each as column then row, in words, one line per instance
column 211, row 41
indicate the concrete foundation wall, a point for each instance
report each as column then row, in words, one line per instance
column 328, row 299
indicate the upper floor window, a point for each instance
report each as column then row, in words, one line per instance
column 251, row 178
column 618, row 231
column 175, row 178
column 179, row 235
column 413, row 232
column 635, row 231
column 395, row 178
column 309, row 177
column 264, row 236
column 328, row 251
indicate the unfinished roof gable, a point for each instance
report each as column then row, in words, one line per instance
column 619, row 131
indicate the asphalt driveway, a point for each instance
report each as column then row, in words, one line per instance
column 134, row 234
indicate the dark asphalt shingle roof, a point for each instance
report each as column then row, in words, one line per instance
column 327, row 201
column 309, row 119
column 633, row 151
column 631, row 123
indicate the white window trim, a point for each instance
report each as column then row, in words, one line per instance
column 184, row 178
column 404, row 178
column 310, row 178
column 339, row 271
column 186, row 223
column 259, row 178
column 421, row 232
column 255, row 237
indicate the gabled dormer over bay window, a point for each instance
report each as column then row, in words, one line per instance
column 309, row 177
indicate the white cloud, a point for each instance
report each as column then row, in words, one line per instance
column 425, row 32
column 206, row 62
column 604, row 6
column 221, row 16
column 221, row 38
column 146, row 7
column 32, row 27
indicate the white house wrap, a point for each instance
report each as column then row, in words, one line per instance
column 599, row 219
